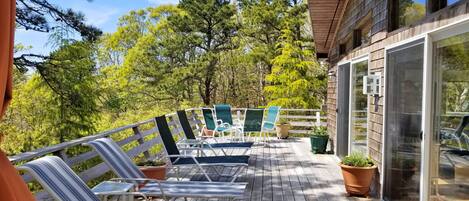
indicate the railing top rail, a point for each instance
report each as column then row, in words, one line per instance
column 50, row 149
column 282, row 109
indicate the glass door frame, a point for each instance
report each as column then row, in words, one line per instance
column 356, row 60
column 428, row 103
column 405, row 44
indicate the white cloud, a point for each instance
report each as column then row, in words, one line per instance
column 99, row 16
column 159, row 2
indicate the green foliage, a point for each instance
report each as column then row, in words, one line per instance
column 283, row 122
column 162, row 59
column 297, row 80
column 319, row 131
column 151, row 163
column 357, row 159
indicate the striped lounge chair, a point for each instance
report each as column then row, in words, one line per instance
column 61, row 182
column 64, row 185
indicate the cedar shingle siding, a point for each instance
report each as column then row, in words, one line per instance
column 355, row 11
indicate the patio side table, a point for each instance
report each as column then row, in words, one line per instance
column 112, row 186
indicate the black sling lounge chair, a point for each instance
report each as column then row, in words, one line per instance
column 178, row 159
column 192, row 141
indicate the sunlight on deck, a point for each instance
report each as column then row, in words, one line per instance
column 287, row 170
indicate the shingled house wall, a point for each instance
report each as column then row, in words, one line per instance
column 355, row 11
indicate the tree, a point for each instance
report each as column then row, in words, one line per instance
column 297, row 80
column 42, row 16
column 209, row 27
column 55, row 104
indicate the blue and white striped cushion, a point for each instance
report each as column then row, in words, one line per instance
column 59, row 179
column 116, row 158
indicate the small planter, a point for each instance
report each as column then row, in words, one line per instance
column 154, row 172
column 282, row 130
column 358, row 180
column 319, row 144
column 208, row 133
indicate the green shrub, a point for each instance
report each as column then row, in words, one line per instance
column 357, row 159
column 319, row 131
column 282, row 122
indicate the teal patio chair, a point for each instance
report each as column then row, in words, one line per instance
column 273, row 114
column 253, row 119
column 215, row 125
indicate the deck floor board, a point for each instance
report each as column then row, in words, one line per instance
column 284, row 170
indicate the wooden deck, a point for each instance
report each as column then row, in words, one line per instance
column 287, row 170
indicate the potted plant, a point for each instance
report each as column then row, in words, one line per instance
column 358, row 171
column 282, row 128
column 319, row 138
column 153, row 169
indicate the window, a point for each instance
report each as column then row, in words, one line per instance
column 342, row 49
column 406, row 12
column 357, row 38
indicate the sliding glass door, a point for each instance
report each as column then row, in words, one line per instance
column 403, row 119
column 358, row 107
column 450, row 143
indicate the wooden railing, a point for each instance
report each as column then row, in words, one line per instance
column 141, row 141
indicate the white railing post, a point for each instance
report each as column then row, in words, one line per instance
column 318, row 118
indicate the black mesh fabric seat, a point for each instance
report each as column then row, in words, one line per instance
column 213, row 160
column 172, row 149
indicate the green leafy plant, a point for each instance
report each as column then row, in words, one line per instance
column 152, row 163
column 357, row 159
column 282, row 122
column 319, row 131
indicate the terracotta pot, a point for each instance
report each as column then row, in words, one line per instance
column 282, row 130
column 154, row 172
column 208, row 133
column 357, row 180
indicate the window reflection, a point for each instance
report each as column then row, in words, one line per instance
column 451, row 143
column 410, row 12
column 359, row 106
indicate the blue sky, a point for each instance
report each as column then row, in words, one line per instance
column 103, row 14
